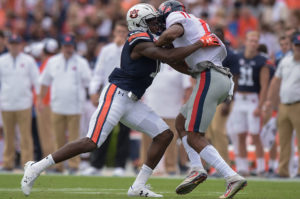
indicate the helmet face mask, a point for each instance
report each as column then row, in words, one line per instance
column 153, row 25
column 161, row 24
column 142, row 17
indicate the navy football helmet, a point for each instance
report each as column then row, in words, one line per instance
column 166, row 8
column 170, row 6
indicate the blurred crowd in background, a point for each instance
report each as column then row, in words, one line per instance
column 93, row 19
column 42, row 24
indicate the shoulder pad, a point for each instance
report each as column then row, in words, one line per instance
column 176, row 17
column 133, row 36
column 179, row 14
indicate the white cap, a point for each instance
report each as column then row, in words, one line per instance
column 51, row 45
column 36, row 49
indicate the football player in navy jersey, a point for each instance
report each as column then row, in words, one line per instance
column 119, row 100
column 251, row 93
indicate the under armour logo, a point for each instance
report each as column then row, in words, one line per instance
column 26, row 179
column 134, row 13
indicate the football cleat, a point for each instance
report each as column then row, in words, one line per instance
column 142, row 191
column 195, row 177
column 29, row 177
column 234, row 184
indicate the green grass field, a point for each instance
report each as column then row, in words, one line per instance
column 78, row 187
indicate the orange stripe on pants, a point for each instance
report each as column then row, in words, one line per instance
column 103, row 112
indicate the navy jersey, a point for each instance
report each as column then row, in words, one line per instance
column 135, row 75
column 249, row 70
column 231, row 61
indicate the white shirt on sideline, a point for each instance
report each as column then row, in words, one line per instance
column 289, row 72
column 17, row 78
column 68, row 80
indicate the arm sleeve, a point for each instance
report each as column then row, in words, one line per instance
column 98, row 74
column 137, row 37
column 34, row 75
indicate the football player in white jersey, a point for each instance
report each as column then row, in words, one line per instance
column 214, row 85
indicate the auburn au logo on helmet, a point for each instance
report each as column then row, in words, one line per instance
column 134, row 13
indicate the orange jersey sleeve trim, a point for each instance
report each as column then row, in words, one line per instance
column 142, row 34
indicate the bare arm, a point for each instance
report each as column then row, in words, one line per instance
column 181, row 67
column 43, row 91
column 235, row 80
column 95, row 99
column 40, row 97
column 148, row 49
column 170, row 35
column 264, row 77
column 174, row 57
column 272, row 100
column 273, row 92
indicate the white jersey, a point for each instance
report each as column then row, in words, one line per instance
column 194, row 29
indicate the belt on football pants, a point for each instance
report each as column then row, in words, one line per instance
column 221, row 69
column 132, row 96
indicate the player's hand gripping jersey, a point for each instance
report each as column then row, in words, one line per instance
column 195, row 28
column 135, row 75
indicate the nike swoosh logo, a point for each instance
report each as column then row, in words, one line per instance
column 227, row 193
column 196, row 173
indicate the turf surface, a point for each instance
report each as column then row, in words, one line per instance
column 78, row 187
